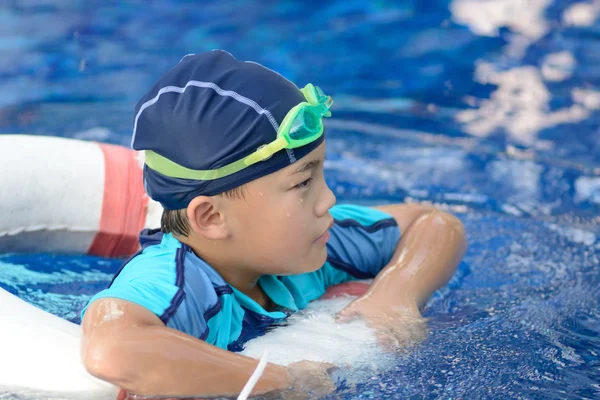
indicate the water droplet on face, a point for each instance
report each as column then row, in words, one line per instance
column 260, row 194
column 301, row 200
column 288, row 214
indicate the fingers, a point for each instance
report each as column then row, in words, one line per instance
column 348, row 313
column 345, row 316
column 401, row 337
column 311, row 377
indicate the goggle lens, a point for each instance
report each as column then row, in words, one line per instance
column 306, row 124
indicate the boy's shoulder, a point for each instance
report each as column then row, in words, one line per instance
column 160, row 276
column 158, row 253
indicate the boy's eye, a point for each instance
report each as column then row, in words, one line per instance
column 304, row 184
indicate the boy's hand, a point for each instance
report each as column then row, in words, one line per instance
column 309, row 379
column 396, row 327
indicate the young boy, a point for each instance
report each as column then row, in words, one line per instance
column 250, row 234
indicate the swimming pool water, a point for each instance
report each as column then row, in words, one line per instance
column 486, row 108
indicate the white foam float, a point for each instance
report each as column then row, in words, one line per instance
column 39, row 354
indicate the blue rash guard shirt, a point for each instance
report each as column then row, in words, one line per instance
column 187, row 294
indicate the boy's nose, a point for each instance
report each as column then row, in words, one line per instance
column 327, row 201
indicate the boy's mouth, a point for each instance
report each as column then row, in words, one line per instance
column 325, row 236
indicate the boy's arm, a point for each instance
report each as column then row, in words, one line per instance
column 432, row 245
column 127, row 345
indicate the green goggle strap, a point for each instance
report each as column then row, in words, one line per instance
column 169, row 168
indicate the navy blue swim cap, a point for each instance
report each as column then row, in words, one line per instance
column 209, row 111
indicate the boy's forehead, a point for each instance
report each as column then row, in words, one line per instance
column 305, row 166
column 311, row 161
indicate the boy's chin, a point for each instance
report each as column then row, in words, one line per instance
column 318, row 263
column 306, row 266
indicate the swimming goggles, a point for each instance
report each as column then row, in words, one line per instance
column 303, row 124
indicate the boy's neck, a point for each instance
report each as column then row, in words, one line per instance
column 233, row 272
column 250, row 286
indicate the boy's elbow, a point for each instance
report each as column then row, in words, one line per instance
column 103, row 360
column 98, row 361
column 449, row 221
column 454, row 227
column 447, row 224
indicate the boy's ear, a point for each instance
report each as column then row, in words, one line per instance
column 206, row 218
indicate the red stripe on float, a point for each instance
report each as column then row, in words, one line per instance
column 124, row 204
column 346, row 289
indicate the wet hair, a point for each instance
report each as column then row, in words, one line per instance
column 177, row 222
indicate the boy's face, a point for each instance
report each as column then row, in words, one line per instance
column 281, row 226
